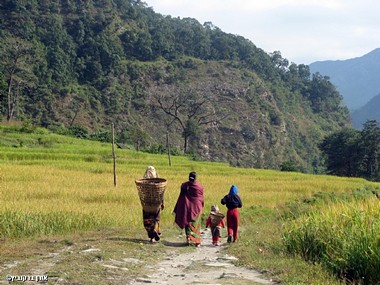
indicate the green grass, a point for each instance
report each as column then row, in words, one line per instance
column 15, row 224
column 343, row 238
column 57, row 185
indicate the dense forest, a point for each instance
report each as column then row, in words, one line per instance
column 76, row 67
column 353, row 153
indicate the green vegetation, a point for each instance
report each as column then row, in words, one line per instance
column 14, row 224
column 75, row 67
column 354, row 153
column 343, row 237
column 322, row 226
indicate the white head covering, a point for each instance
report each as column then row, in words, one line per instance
column 214, row 209
column 150, row 172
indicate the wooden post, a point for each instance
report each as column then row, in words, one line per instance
column 113, row 154
column 168, row 146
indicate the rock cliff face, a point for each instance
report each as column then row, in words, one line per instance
column 254, row 124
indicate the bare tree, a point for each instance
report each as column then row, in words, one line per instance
column 77, row 104
column 114, row 155
column 16, row 56
column 168, row 124
column 191, row 109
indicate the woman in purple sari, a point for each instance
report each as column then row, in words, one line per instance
column 189, row 207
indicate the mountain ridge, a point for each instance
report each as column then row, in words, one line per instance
column 369, row 111
column 356, row 79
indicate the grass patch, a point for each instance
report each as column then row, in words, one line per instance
column 343, row 238
column 26, row 224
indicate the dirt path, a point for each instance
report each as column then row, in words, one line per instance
column 112, row 258
column 206, row 264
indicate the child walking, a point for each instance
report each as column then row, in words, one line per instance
column 215, row 221
column 232, row 202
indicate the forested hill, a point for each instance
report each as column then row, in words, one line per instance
column 78, row 66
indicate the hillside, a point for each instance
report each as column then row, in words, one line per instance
column 77, row 67
column 369, row 111
column 357, row 79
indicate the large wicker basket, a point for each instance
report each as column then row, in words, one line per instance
column 151, row 192
column 216, row 218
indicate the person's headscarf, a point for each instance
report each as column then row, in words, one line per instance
column 192, row 176
column 214, row 209
column 150, row 172
column 234, row 190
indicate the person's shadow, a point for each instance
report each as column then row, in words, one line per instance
column 146, row 241
column 134, row 240
column 174, row 244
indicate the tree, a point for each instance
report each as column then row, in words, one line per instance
column 60, row 49
column 17, row 58
column 370, row 150
column 222, row 45
column 190, row 108
column 162, row 37
column 77, row 104
column 341, row 152
column 17, row 17
column 279, row 62
column 290, row 166
column 353, row 153
column 3, row 100
column 323, row 95
column 137, row 136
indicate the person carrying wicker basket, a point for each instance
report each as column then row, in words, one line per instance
column 215, row 221
column 151, row 217
column 188, row 209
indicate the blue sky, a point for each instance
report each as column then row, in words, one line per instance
column 303, row 31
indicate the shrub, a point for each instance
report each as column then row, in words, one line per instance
column 289, row 166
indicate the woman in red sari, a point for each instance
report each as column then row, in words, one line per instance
column 189, row 207
column 233, row 202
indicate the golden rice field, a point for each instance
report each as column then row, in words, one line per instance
column 51, row 183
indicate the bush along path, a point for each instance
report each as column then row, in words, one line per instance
column 207, row 264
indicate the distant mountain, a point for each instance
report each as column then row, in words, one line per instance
column 370, row 111
column 357, row 79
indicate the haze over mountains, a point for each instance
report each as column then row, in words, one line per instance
column 370, row 111
column 358, row 80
